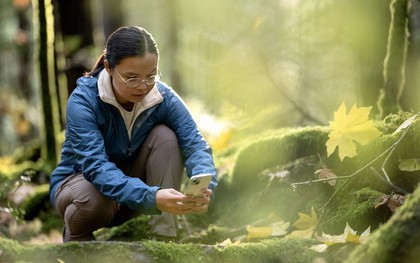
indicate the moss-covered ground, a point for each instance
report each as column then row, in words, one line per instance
column 258, row 191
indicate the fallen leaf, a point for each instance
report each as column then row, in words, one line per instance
column 325, row 173
column 363, row 236
column 346, row 129
column 279, row 175
column 222, row 141
column 305, row 233
column 275, row 229
column 409, row 165
column 319, row 248
column 393, row 201
column 349, row 235
column 305, row 225
column 306, row 221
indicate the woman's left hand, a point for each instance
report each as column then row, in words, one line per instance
column 201, row 203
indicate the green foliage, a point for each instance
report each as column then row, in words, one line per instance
column 36, row 203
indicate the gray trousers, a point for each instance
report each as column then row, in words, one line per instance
column 85, row 209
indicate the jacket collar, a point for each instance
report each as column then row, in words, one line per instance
column 106, row 93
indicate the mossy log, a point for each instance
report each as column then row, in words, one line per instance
column 351, row 202
column 355, row 197
column 276, row 148
column 277, row 250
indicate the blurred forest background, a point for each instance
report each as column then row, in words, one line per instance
column 246, row 66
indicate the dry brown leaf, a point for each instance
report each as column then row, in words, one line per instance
column 393, row 201
column 325, row 173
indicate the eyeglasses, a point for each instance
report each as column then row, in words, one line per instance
column 135, row 82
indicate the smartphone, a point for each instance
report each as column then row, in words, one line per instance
column 196, row 183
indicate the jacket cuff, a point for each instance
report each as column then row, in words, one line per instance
column 150, row 204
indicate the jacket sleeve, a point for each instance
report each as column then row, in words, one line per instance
column 197, row 152
column 88, row 145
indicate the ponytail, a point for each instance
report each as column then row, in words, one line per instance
column 99, row 66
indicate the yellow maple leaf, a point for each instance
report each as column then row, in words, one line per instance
column 305, row 225
column 304, row 233
column 349, row 235
column 306, row 221
column 346, row 129
column 275, row 229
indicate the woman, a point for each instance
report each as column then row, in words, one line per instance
column 128, row 138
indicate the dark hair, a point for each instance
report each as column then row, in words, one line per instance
column 127, row 41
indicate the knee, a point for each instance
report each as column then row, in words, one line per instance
column 101, row 207
column 92, row 214
column 163, row 133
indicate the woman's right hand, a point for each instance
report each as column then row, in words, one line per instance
column 174, row 202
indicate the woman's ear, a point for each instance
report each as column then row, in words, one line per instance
column 106, row 65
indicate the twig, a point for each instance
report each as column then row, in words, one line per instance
column 390, row 153
column 389, row 150
column 364, row 167
column 388, row 182
column 294, row 185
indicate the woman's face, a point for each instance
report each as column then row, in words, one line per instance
column 143, row 68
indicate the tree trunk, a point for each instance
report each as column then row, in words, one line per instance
column 44, row 41
column 394, row 64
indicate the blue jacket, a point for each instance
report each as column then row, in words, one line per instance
column 96, row 138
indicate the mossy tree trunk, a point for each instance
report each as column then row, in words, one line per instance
column 44, row 39
column 394, row 64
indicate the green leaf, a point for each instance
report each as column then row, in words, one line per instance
column 409, row 165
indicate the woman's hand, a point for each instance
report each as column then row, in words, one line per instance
column 201, row 203
column 174, row 202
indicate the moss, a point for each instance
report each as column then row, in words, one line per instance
column 277, row 197
column 276, row 250
column 171, row 252
column 278, row 148
column 8, row 249
column 395, row 60
column 395, row 241
column 356, row 208
column 339, row 252
column 135, row 229
column 77, row 252
column 391, row 122
column 37, row 202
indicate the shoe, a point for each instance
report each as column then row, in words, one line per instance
column 64, row 235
